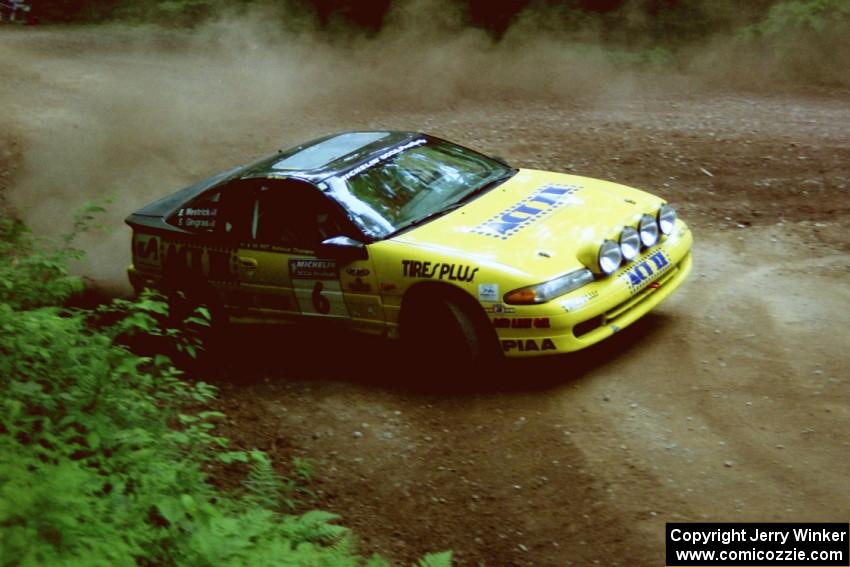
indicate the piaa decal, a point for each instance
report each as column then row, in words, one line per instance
column 525, row 345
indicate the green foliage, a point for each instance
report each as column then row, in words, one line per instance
column 104, row 453
column 32, row 272
column 443, row 559
column 795, row 17
column 806, row 38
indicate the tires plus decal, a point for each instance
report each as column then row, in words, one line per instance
column 525, row 345
column 383, row 157
column 533, row 208
column 521, row 323
column 642, row 273
column 309, row 269
column 431, row 270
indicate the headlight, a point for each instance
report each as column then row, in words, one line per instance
column 610, row 257
column 629, row 243
column 648, row 231
column 546, row 291
column 666, row 219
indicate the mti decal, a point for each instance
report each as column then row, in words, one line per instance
column 525, row 345
column 642, row 273
column 359, row 272
column 308, row 268
column 521, row 322
column 533, row 208
column 431, row 270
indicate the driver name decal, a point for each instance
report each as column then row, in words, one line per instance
column 533, row 208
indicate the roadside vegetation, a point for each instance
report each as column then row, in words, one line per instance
column 803, row 40
column 106, row 456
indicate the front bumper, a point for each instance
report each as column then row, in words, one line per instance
column 598, row 310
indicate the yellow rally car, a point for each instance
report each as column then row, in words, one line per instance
column 400, row 233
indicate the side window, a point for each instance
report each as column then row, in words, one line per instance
column 200, row 214
column 293, row 214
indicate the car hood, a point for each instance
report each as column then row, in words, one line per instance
column 539, row 223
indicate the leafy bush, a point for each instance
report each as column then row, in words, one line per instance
column 794, row 17
column 808, row 38
column 102, row 462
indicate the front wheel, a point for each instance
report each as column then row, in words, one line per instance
column 443, row 327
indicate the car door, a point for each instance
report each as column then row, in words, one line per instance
column 279, row 266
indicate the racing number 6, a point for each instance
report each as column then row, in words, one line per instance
column 320, row 302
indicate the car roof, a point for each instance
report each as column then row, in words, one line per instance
column 328, row 156
column 312, row 161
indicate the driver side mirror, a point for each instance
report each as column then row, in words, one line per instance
column 342, row 248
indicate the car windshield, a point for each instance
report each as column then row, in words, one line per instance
column 412, row 183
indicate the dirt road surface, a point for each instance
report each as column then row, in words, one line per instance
column 730, row 402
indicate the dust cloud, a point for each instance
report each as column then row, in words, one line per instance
column 137, row 113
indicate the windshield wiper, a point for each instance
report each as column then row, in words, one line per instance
column 456, row 204
column 429, row 217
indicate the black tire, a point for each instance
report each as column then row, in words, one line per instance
column 441, row 325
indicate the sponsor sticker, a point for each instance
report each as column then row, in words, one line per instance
column 359, row 272
column 488, row 292
column 643, row 273
column 521, row 323
column 313, row 269
column 359, row 285
column 575, row 303
column 146, row 249
column 537, row 206
column 525, row 345
column 437, row 270
column 499, row 308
